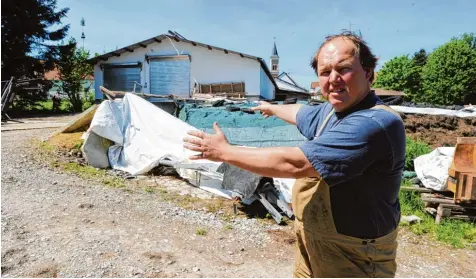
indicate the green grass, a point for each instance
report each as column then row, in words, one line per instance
column 458, row 234
column 201, row 231
column 46, row 151
column 414, row 149
column 149, row 190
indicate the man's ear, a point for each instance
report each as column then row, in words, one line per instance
column 369, row 75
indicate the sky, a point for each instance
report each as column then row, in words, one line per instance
column 391, row 28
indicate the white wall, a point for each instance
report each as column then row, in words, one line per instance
column 207, row 66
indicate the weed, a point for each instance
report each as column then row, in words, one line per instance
column 228, row 227
column 414, row 149
column 456, row 233
column 201, row 231
column 149, row 190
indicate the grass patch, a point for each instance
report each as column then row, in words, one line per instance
column 228, row 227
column 47, row 154
column 414, row 149
column 456, row 233
column 149, row 190
column 66, row 141
column 201, row 231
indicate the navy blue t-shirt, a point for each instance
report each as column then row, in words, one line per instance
column 360, row 154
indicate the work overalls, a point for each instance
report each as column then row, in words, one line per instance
column 321, row 250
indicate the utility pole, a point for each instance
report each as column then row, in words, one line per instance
column 83, row 23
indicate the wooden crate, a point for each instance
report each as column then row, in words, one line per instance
column 462, row 172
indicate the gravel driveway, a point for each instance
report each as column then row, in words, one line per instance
column 58, row 225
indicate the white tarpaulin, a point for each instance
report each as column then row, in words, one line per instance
column 143, row 134
column 432, row 168
column 469, row 111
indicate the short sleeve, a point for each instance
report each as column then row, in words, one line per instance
column 307, row 120
column 346, row 150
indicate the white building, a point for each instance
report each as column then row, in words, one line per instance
column 171, row 64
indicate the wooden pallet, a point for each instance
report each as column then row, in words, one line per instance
column 444, row 207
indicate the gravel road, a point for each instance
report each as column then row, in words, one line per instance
column 58, row 225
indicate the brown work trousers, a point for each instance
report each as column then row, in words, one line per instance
column 322, row 252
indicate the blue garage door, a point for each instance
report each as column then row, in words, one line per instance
column 170, row 75
column 121, row 77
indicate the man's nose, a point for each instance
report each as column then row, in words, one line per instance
column 334, row 77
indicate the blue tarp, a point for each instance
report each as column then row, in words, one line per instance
column 242, row 128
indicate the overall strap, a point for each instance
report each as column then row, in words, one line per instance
column 387, row 108
column 319, row 132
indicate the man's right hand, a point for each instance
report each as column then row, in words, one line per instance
column 266, row 109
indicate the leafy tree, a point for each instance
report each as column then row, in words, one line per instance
column 29, row 31
column 419, row 58
column 397, row 74
column 74, row 69
column 448, row 76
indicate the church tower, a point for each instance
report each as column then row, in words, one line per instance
column 274, row 61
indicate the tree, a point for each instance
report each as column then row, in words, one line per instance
column 73, row 68
column 396, row 74
column 29, row 31
column 448, row 76
column 419, row 60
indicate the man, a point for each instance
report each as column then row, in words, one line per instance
column 345, row 199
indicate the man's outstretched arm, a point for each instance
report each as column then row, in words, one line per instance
column 289, row 162
column 285, row 112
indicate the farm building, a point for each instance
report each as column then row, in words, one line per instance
column 172, row 64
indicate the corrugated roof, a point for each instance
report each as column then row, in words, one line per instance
column 178, row 38
column 285, row 82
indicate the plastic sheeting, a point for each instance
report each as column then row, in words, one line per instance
column 466, row 112
column 144, row 134
column 432, row 168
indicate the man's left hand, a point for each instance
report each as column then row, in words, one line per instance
column 212, row 147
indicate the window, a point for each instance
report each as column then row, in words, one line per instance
column 275, row 67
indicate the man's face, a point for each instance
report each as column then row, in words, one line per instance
column 342, row 79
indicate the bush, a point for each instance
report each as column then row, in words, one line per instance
column 414, row 149
column 448, row 75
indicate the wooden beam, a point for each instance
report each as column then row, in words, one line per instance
column 129, row 50
column 226, row 51
column 209, row 47
column 142, row 45
column 116, row 54
column 157, row 40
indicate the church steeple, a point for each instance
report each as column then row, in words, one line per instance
column 274, row 61
column 275, row 50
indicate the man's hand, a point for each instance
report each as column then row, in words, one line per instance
column 266, row 109
column 212, row 147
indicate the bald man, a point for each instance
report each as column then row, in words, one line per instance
column 348, row 173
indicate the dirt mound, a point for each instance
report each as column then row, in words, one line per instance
column 437, row 130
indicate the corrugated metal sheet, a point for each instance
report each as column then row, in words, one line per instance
column 121, row 78
column 170, row 75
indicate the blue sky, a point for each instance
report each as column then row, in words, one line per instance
column 391, row 28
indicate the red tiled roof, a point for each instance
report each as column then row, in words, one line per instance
column 55, row 75
column 314, row 84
